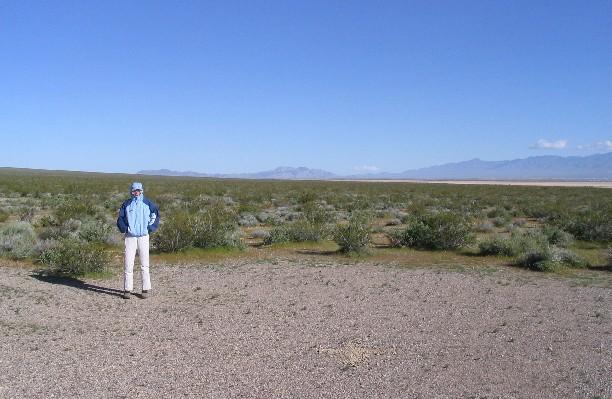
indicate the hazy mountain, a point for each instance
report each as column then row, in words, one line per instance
column 598, row 166
column 592, row 167
column 168, row 172
column 282, row 172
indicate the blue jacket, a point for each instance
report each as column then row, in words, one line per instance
column 138, row 217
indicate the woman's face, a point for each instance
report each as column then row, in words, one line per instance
column 136, row 193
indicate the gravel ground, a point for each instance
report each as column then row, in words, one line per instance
column 294, row 329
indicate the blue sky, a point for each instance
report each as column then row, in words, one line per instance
column 346, row 86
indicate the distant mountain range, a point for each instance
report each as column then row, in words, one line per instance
column 592, row 167
column 280, row 173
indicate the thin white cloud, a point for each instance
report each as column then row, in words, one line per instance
column 600, row 145
column 550, row 145
column 367, row 168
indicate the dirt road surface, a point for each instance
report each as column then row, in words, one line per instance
column 292, row 329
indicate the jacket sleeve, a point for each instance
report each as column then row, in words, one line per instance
column 154, row 220
column 122, row 224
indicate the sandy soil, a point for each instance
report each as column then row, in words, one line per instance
column 305, row 329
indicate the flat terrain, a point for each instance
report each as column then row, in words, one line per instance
column 306, row 328
column 543, row 183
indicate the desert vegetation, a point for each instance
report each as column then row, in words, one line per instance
column 53, row 218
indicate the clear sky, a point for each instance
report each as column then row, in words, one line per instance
column 346, row 86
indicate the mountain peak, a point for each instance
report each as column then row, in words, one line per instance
column 548, row 167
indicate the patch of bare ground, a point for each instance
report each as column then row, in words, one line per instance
column 306, row 327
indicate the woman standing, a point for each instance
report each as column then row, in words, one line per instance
column 138, row 217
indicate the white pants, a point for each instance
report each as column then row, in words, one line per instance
column 131, row 245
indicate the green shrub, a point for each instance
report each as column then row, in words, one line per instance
column 47, row 221
column 248, row 207
column 567, row 258
column 311, row 226
column 396, row 236
column 298, row 231
column 316, row 214
column 520, row 241
column 26, row 214
column 269, row 218
column 303, row 230
column 497, row 245
column 214, row 226
column 539, row 259
column 500, row 221
column 17, row 240
column 484, row 227
column 588, row 226
column 354, row 236
column 442, row 230
column 550, row 258
column 175, row 233
column 98, row 231
column 278, row 234
column 610, row 257
column 75, row 258
column 498, row 212
column 558, row 237
column 3, row 215
column 306, row 197
column 42, row 246
column 68, row 229
column 75, row 209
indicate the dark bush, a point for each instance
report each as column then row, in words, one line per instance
column 300, row 231
column 306, row 197
column 588, row 226
column 175, row 232
column 498, row 212
column 498, row 246
column 539, row 259
column 442, row 230
column 558, row 237
column 316, row 214
column 354, row 236
column 519, row 242
column 500, row 221
column 312, row 225
column 278, row 234
column 541, row 256
column 47, row 221
column 75, row 258
column 68, row 229
column 303, row 230
column 98, row 231
column 26, row 214
column 75, row 209
column 214, row 226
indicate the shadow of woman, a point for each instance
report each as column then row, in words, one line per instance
column 76, row 283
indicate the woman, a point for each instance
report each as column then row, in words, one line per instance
column 138, row 217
